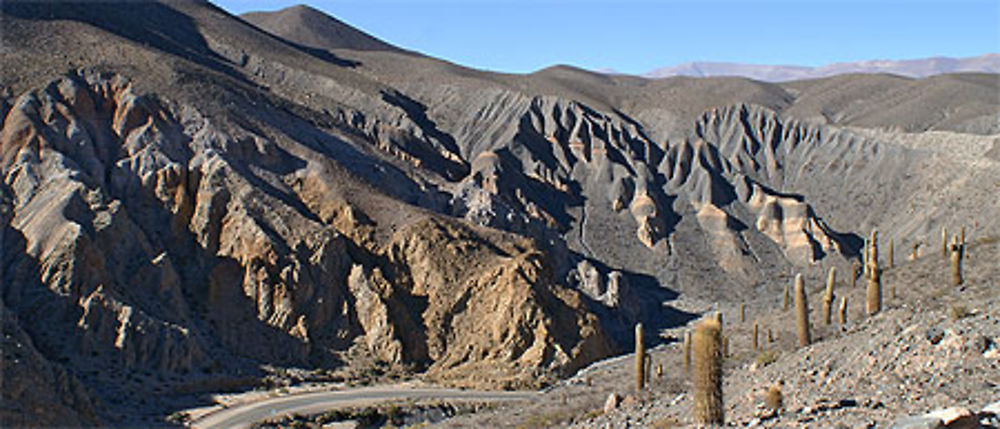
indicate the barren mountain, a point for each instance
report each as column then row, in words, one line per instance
column 309, row 27
column 924, row 67
column 192, row 203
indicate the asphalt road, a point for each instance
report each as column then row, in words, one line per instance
column 242, row 416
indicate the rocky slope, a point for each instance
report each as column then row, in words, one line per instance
column 190, row 199
column 934, row 347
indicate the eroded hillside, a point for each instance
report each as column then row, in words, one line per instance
column 189, row 199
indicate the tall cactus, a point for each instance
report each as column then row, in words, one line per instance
column 956, row 262
column 913, row 253
column 787, row 298
column 872, row 252
column 944, row 242
column 640, row 359
column 743, row 312
column 802, row 311
column 891, row 257
column 756, row 336
column 855, row 272
column 873, row 297
column 828, row 296
column 707, row 374
column 687, row 352
column 843, row 310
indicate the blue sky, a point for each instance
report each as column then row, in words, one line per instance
column 636, row 36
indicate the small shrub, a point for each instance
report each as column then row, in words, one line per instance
column 958, row 312
column 766, row 357
column 773, row 399
column 665, row 423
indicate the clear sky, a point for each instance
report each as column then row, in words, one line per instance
column 636, row 36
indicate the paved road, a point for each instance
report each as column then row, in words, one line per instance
column 241, row 416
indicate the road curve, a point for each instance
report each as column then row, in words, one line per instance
column 242, row 416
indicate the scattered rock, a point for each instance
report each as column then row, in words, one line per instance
column 919, row 422
column 955, row 417
column 611, row 403
column 630, row 401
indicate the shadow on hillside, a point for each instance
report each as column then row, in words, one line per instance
column 643, row 300
column 144, row 22
column 325, row 55
column 417, row 112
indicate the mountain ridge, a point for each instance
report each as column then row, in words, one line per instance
column 307, row 26
column 914, row 68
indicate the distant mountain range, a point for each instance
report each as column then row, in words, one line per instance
column 989, row 63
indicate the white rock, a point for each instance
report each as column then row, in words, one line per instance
column 949, row 415
column 993, row 408
column 611, row 403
